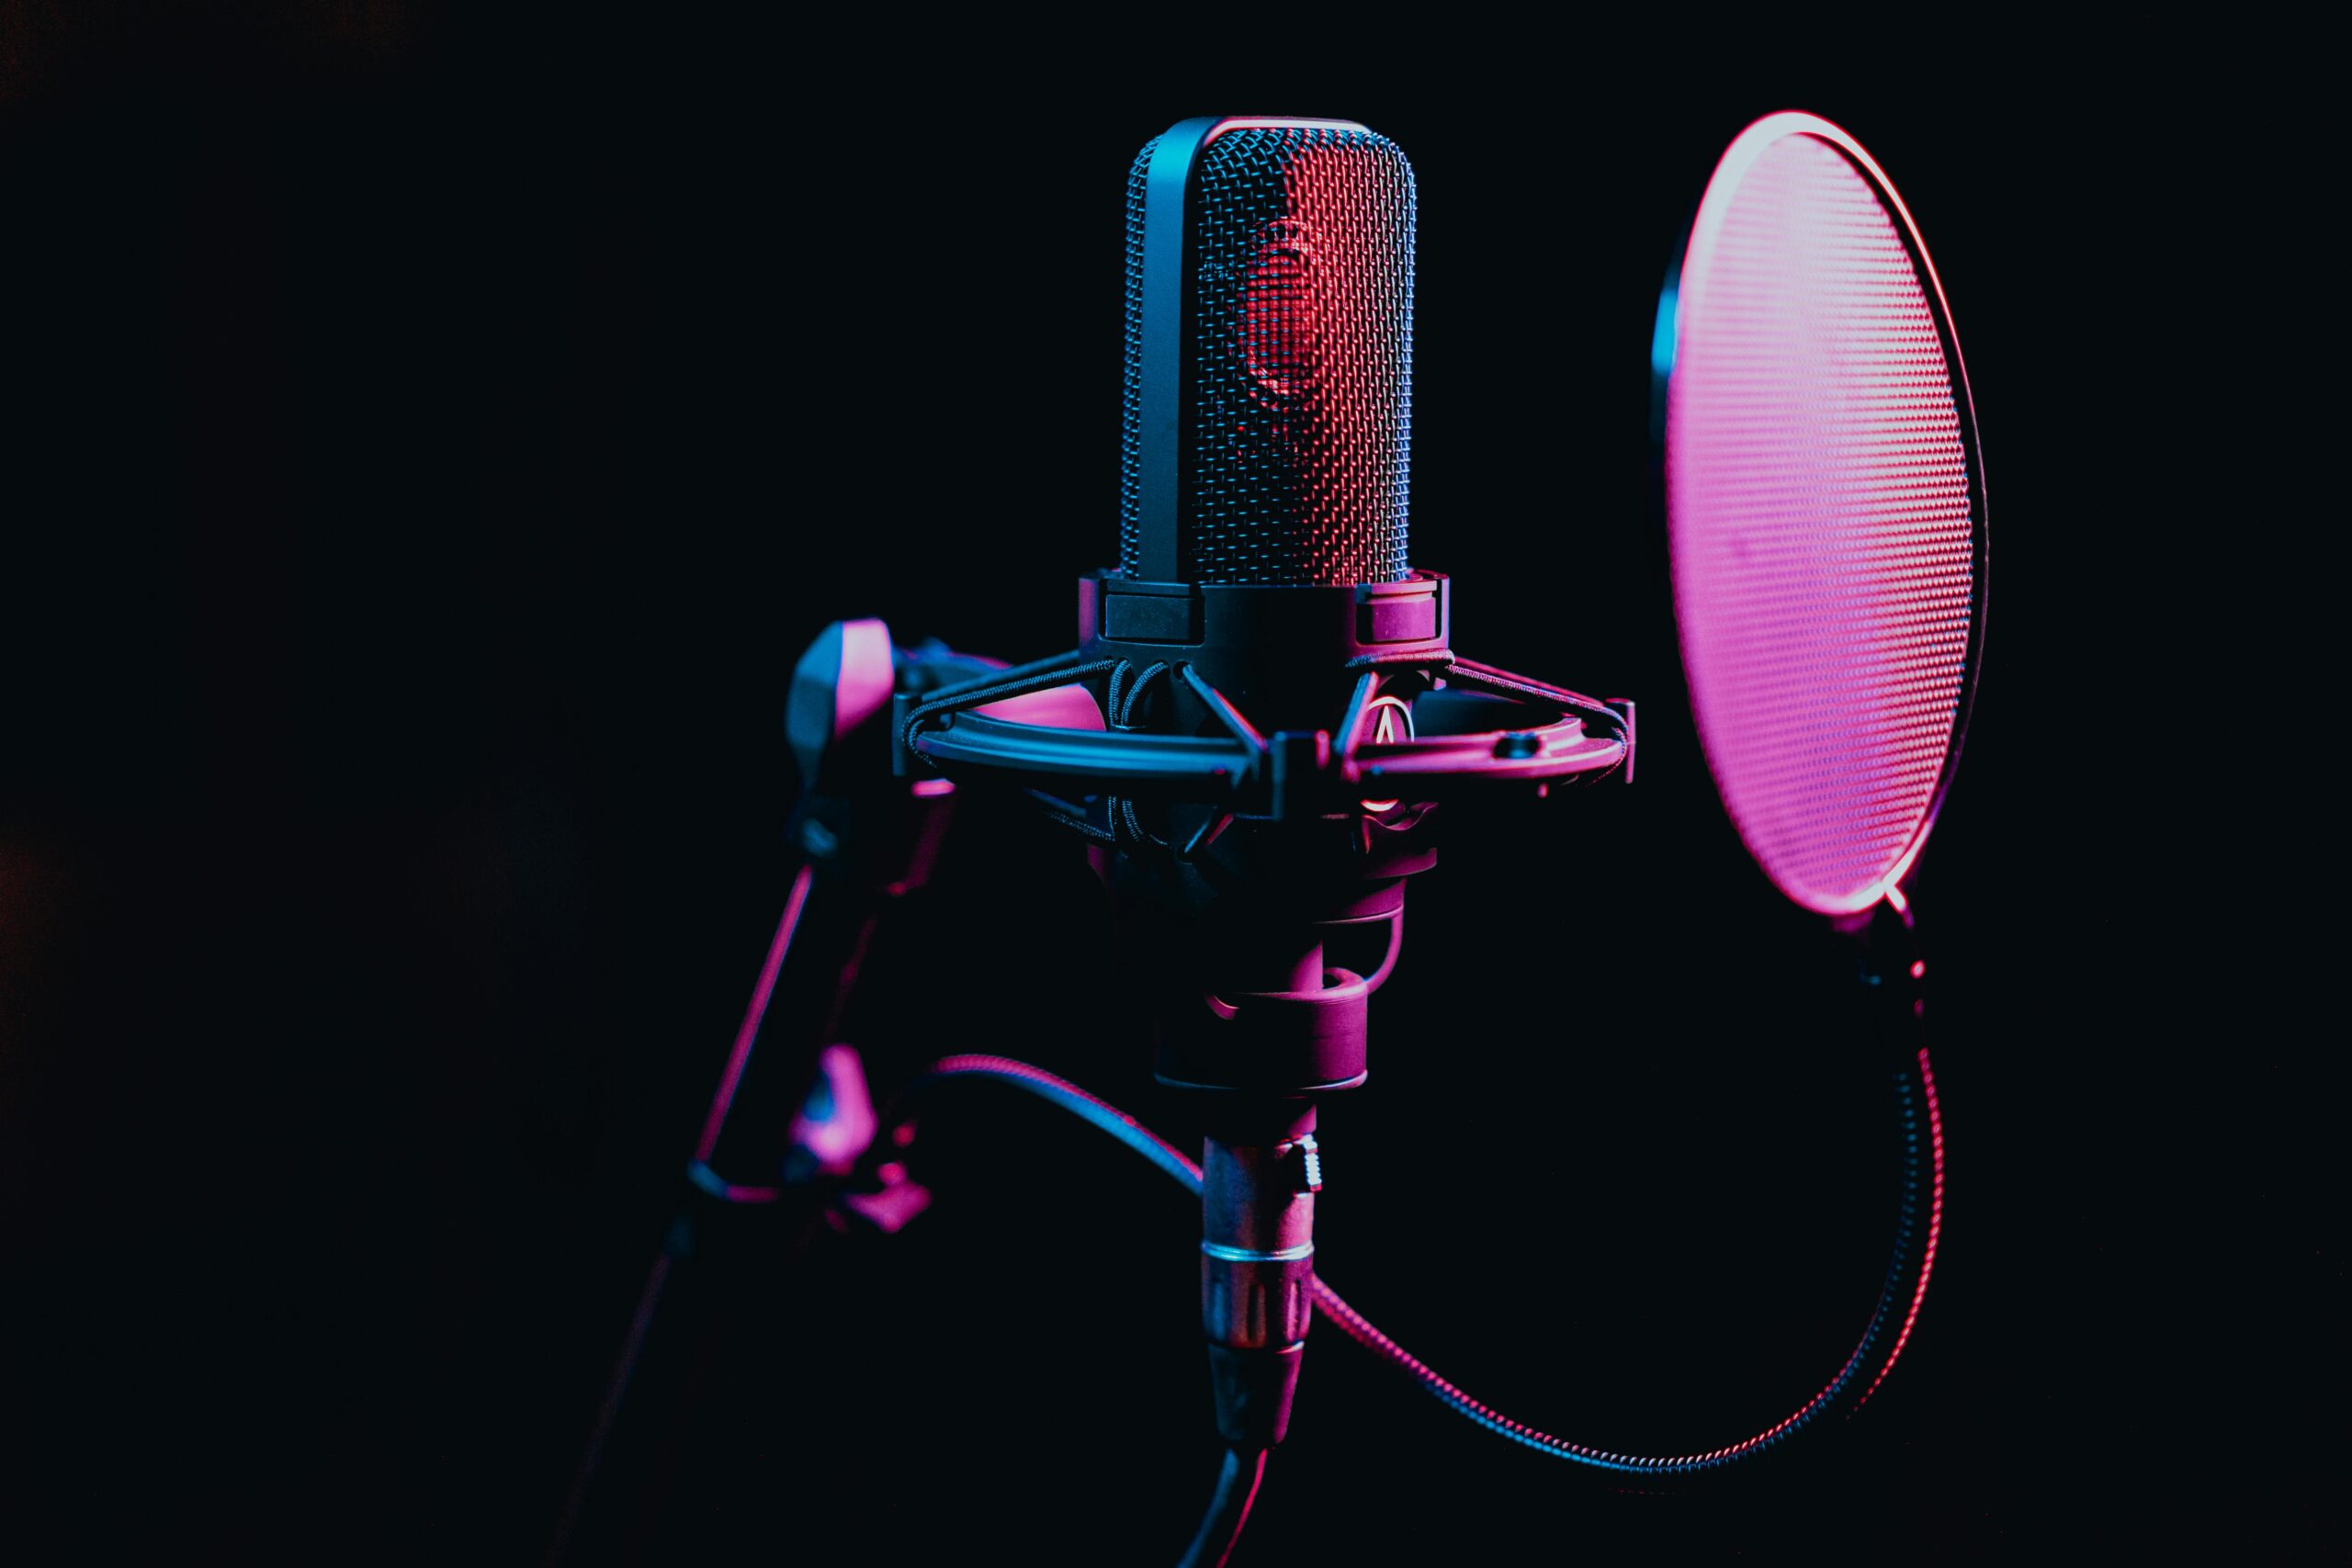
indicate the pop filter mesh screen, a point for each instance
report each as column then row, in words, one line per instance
column 1824, row 513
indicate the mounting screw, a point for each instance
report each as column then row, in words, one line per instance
column 1310, row 1164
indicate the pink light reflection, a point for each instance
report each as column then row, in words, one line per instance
column 1056, row 707
column 1820, row 509
column 1935, row 1226
column 749, row 1030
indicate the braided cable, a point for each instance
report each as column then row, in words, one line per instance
column 1906, row 1288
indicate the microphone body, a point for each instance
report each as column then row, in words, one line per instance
column 1263, row 513
column 1257, row 796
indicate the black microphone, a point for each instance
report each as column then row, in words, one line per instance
column 1264, row 467
column 1280, row 707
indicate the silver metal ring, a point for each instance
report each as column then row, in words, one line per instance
column 1243, row 1255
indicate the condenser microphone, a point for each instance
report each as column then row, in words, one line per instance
column 1263, row 510
column 1281, row 706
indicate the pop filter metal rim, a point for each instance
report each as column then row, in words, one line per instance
column 1691, row 262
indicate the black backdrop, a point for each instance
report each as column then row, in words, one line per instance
column 429, row 442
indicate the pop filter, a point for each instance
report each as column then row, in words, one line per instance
column 1825, row 511
column 1825, row 506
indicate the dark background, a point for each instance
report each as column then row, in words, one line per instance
column 429, row 441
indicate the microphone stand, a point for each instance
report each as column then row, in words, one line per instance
column 867, row 841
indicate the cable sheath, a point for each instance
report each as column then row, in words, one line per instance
column 1228, row 1509
column 1881, row 1342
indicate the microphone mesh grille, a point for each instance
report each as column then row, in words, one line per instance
column 1824, row 522
column 1130, row 504
column 1297, row 398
